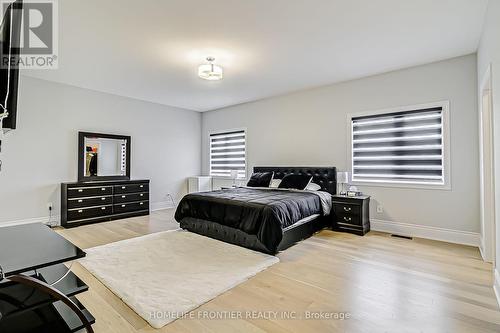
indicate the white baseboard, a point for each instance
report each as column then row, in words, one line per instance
column 162, row 205
column 496, row 284
column 486, row 255
column 421, row 231
column 54, row 220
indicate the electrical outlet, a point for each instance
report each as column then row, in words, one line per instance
column 380, row 209
column 49, row 206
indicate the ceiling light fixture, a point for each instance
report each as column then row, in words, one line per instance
column 210, row 71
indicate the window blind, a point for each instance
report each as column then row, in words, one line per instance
column 400, row 147
column 227, row 152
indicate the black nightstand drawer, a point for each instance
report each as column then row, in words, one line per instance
column 131, row 188
column 131, row 207
column 82, row 192
column 90, row 202
column 131, row 197
column 347, row 208
column 85, row 213
column 350, row 219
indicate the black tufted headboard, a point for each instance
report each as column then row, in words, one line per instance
column 326, row 177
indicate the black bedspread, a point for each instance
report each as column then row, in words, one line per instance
column 260, row 212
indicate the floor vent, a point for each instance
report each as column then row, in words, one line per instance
column 401, row 236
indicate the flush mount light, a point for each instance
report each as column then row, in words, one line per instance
column 210, row 71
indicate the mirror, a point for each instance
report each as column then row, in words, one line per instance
column 103, row 156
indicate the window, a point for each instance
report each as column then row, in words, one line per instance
column 227, row 153
column 407, row 146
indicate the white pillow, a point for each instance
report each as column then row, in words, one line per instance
column 275, row 183
column 312, row 187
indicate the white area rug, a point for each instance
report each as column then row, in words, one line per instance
column 163, row 276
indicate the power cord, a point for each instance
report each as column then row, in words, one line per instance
column 5, row 114
column 172, row 199
column 49, row 222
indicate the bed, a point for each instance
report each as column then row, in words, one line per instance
column 263, row 219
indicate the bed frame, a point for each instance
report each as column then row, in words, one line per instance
column 323, row 176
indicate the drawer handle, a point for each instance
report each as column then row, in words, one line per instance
column 80, row 190
column 141, row 194
column 347, row 209
column 142, row 203
column 124, row 187
column 103, row 199
column 124, row 196
column 347, row 219
column 123, row 206
column 103, row 189
column 103, row 208
column 80, row 200
column 80, row 211
column 141, row 186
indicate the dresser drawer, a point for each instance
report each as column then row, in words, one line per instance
column 348, row 219
column 131, row 188
column 85, row 213
column 93, row 191
column 346, row 208
column 131, row 197
column 89, row 202
column 131, row 207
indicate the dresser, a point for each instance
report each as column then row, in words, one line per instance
column 351, row 214
column 91, row 202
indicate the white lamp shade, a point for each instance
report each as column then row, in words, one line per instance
column 343, row 177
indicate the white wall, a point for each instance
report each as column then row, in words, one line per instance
column 310, row 128
column 489, row 53
column 42, row 152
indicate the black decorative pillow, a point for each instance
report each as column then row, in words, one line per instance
column 298, row 182
column 260, row 179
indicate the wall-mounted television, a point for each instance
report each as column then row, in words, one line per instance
column 10, row 33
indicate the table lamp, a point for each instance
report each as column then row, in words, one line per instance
column 342, row 179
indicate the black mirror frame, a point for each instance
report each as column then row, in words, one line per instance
column 81, row 161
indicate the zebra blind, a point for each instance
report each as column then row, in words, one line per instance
column 400, row 147
column 227, row 153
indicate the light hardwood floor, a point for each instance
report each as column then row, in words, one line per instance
column 385, row 285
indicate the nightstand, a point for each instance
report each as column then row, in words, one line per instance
column 351, row 214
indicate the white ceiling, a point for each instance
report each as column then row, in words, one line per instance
column 150, row 49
